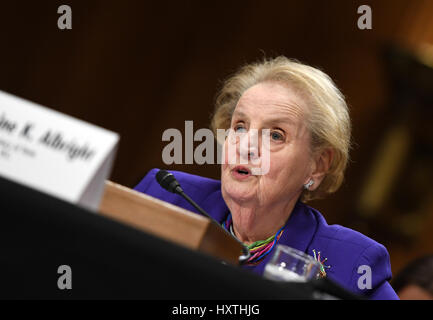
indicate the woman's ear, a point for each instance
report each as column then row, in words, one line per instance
column 321, row 163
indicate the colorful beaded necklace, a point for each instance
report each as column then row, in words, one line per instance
column 258, row 249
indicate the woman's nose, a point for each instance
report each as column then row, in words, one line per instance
column 248, row 147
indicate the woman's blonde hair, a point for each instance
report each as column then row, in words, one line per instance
column 327, row 118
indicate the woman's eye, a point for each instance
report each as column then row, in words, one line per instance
column 240, row 128
column 276, row 136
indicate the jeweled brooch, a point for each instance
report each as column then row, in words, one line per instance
column 323, row 267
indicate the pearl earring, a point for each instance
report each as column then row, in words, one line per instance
column 308, row 184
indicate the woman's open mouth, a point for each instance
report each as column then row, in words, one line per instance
column 241, row 172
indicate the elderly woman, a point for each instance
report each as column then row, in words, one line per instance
column 307, row 152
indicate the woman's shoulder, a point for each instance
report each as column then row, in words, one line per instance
column 204, row 191
column 339, row 233
column 351, row 256
column 189, row 180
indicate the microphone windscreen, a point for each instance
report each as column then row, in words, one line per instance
column 166, row 180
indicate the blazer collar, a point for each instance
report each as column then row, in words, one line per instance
column 300, row 228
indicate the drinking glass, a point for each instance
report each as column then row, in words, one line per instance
column 289, row 264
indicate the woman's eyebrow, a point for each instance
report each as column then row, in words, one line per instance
column 280, row 120
column 270, row 122
column 239, row 114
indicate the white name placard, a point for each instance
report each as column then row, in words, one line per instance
column 54, row 153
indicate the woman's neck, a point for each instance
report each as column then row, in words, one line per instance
column 253, row 223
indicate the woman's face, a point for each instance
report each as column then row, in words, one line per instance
column 286, row 157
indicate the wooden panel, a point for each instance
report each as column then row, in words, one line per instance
column 167, row 221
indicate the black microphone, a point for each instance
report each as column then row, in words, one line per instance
column 169, row 183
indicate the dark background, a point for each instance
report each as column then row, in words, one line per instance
column 141, row 67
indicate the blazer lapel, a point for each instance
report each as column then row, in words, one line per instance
column 300, row 228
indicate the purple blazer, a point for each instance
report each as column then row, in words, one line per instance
column 345, row 249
